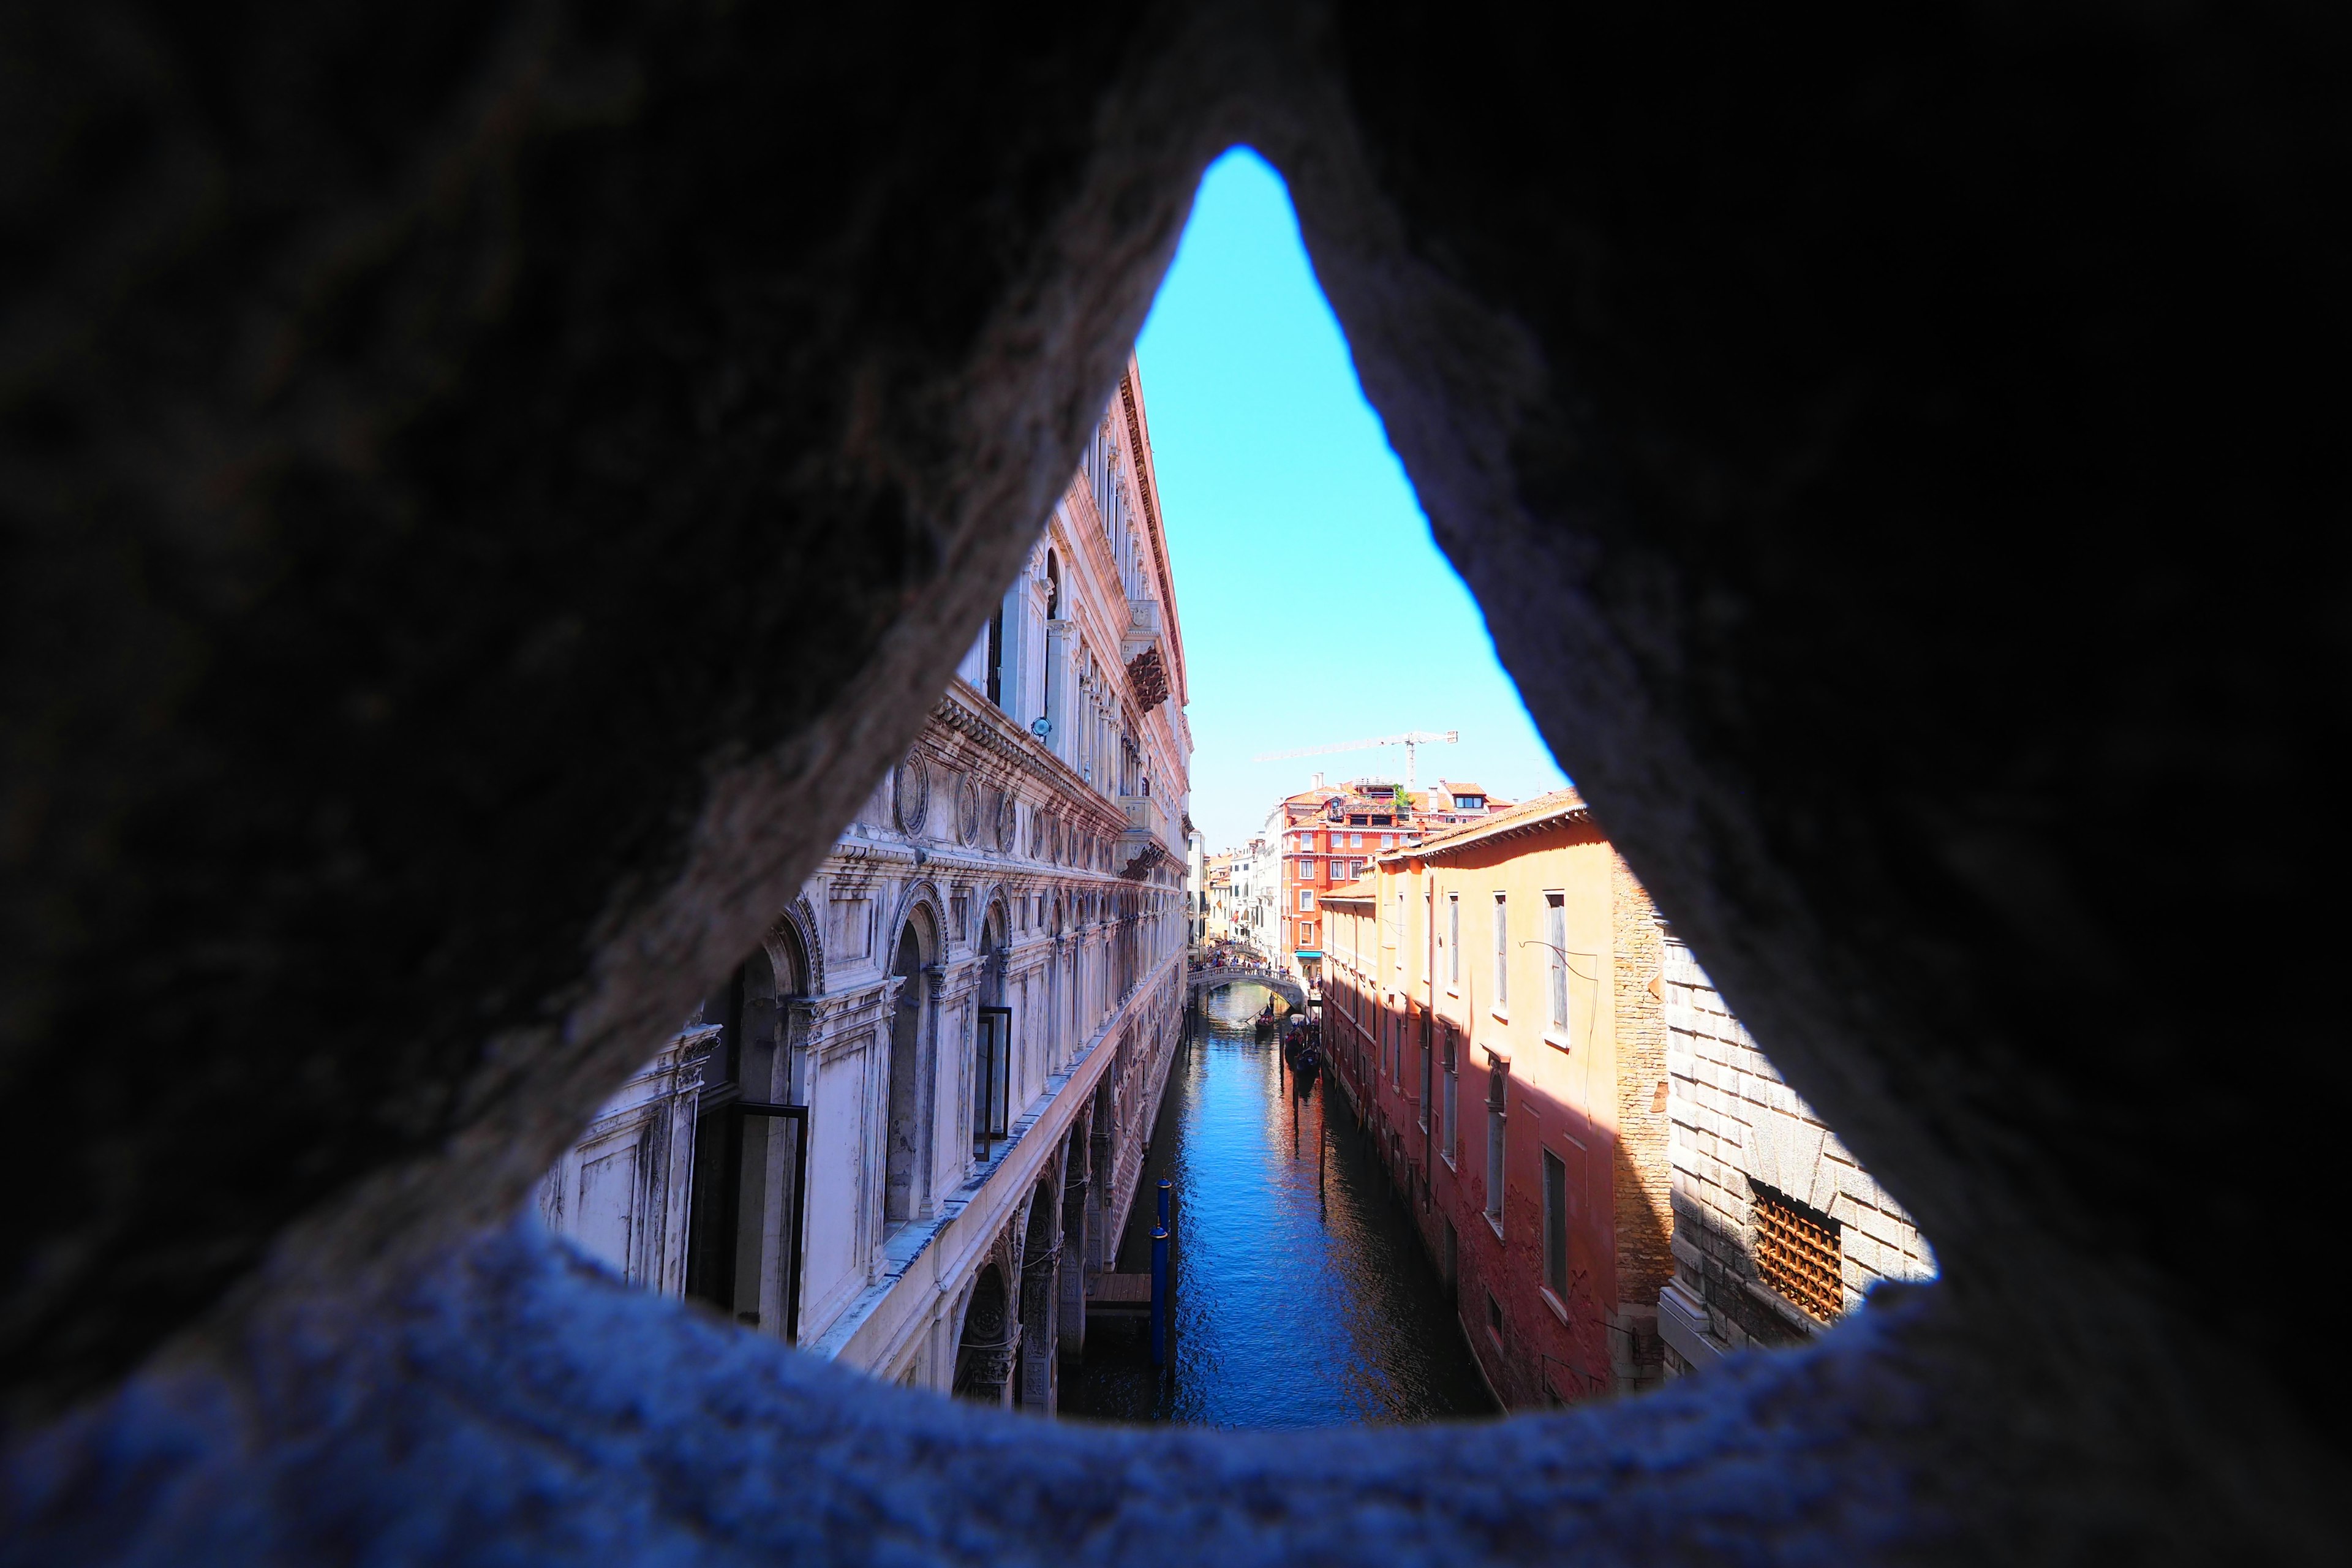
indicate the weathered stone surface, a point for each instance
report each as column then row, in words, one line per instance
column 517, row 1402
column 487, row 490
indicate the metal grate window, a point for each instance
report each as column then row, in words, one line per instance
column 1797, row 1255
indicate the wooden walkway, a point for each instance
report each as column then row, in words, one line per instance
column 1119, row 1295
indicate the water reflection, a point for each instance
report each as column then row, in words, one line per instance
column 1301, row 1297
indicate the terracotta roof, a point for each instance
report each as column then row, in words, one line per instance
column 1358, row 891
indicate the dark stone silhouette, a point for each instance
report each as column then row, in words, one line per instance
column 487, row 490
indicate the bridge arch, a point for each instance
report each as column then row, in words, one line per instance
column 1199, row 982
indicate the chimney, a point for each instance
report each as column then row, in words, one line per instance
column 1317, row 782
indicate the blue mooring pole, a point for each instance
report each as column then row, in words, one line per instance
column 1159, row 1278
column 1159, row 1293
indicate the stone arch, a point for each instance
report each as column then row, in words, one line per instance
column 996, row 942
column 1040, row 1260
column 807, row 932
column 987, row 1338
column 922, row 898
column 1078, row 1264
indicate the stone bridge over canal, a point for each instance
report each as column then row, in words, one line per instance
column 1285, row 986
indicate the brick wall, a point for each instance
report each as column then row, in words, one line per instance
column 1737, row 1130
column 1643, row 1178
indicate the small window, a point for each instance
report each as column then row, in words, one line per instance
column 1798, row 1254
column 1494, row 1317
column 1428, row 1073
column 1448, row 1140
column 1354, row 841
column 1556, row 938
column 1306, row 898
column 991, row 1079
column 1502, row 953
column 1453, row 939
column 1498, row 1083
column 1555, row 1221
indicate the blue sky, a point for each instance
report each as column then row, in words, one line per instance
column 1296, row 539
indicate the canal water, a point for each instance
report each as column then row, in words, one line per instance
column 1300, row 1295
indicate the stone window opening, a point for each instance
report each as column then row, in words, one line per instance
column 746, row 1203
column 1799, row 1254
column 1555, row 1226
column 2012, row 493
column 906, row 1145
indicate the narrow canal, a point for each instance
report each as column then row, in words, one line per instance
column 1300, row 1295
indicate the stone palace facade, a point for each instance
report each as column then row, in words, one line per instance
column 907, row 1131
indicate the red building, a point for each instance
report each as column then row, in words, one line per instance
column 1327, row 835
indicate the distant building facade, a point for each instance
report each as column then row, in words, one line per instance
column 1217, row 897
column 1254, row 897
column 1487, row 1005
column 908, row 1129
column 1327, row 834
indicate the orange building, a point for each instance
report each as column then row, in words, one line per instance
column 1329, row 835
column 1492, row 1004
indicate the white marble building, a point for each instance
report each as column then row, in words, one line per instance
column 919, row 1110
column 1256, row 891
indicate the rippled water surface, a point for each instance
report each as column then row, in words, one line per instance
column 1301, row 1297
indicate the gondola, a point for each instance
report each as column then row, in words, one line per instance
column 1266, row 1020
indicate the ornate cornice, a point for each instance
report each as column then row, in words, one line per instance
column 1158, row 530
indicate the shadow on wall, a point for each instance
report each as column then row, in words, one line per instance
column 488, row 497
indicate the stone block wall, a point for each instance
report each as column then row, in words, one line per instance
column 1737, row 1130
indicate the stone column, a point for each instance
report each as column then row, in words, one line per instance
column 923, row 1202
column 1101, row 1244
column 1059, row 706
column 1072, row 1317
column 1039, row 1278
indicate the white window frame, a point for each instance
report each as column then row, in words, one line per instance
column 1452, row 944
column 1556, row 939
column 1306, row 901
column 1451, row 1127
column 1500, row 1000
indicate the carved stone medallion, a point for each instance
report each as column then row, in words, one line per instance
column 1008, row 823
column 967, row 810
column 910, row 796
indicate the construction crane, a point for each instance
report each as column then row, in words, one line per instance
column 1409, row 740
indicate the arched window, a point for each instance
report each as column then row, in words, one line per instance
column 751, row 1161
column 905, row 1142
column 992, row 1042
